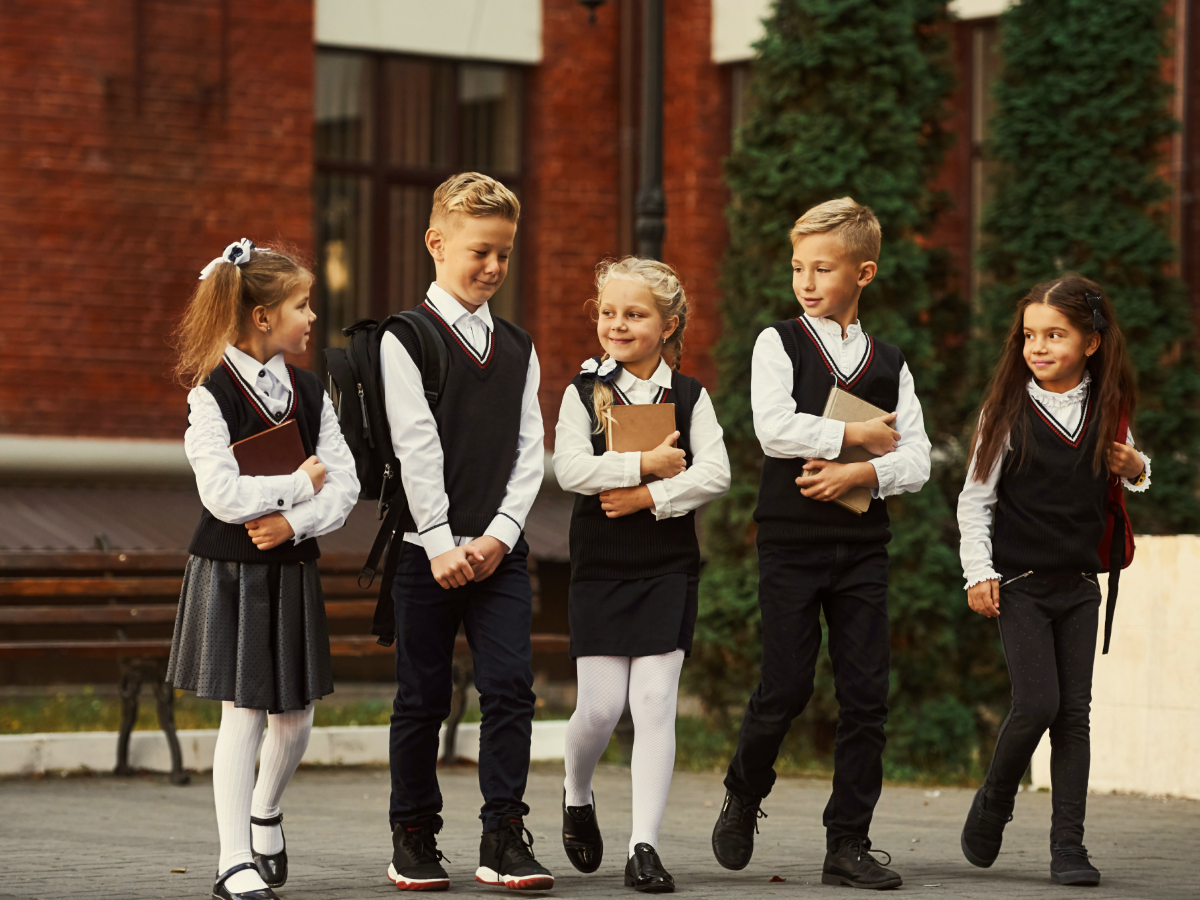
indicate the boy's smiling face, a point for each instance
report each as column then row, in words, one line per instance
column 826, row 280
column 471, row 256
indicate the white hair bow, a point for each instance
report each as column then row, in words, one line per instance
column 237, row 253
column 604, row 371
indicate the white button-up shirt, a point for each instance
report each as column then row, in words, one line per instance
column 236, row 498
column 418, row 446
column 578, row 469
column 787, row 434
column 977, row 502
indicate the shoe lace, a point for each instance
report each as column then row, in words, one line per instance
column 518, row 839
column 994, row 818
column 742, row 811
column 861, row 849
column 1077, row 851
column 422, row 844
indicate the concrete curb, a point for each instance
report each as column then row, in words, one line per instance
column 30, row 754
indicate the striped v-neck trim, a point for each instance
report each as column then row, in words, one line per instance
column 251, row 394
column 480, row 359
column 623, row 399
column 847, row 380
column 1071, row 438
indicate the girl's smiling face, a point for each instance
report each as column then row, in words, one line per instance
column 291, row 323
column 630, row 327
column 1055, row 350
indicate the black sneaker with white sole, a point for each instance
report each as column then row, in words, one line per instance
column 852, row 865
column 506, row 859
column 1070, row 865
column 416, row 860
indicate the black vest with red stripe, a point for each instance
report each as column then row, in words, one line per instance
column 783, row 514
column 638, row 545
column 478, row 419
column 246, row 417
column 1050, row 503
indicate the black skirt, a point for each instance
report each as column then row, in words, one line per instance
column 253, row 633
column 641, row 617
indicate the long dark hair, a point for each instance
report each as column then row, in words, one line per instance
column 1000, row 415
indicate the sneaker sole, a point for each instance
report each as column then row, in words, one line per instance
column 1083, row 876
column 971, row 857
column 839, row 881
column 417, row 884
column 491, row 877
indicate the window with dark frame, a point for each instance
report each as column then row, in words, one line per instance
column 390, row 129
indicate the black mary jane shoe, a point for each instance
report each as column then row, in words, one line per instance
column 581, row 836
column 272, row 866
column 645, row 873
column 220, row 892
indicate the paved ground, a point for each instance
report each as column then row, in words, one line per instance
column 120, row 838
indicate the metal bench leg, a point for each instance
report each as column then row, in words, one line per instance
column 165, row 695
column 130, row 686
column 462, row 673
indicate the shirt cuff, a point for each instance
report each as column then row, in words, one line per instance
column 662, row 500
column 278, row 491
column 302, row 488
column 300, row 517
column 632, row 475
column 980, row 574
column 1137, row 486
column 833, row 435
column 505, row 530
column 885, row 473
column 437, row 540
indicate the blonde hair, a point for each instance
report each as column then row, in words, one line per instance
column 222, row 301
column 854, row 223
column 475, row 195
column 669, row 298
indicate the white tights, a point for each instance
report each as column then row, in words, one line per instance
column 238, row 796
column 652, row 686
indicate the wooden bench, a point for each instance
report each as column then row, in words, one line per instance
column 122, row 606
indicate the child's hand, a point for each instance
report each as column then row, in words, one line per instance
column 827, row 480
column 315, row 470
column 666, row 460
column 623, row 501
column 1123, row 460
column 484, row 554
column 269, row 531
column 984, row 597
column 452, row 568
column 874, row 435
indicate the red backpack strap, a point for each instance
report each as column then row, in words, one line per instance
column 1117, row 533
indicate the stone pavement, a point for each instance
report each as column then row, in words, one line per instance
column 106, row 837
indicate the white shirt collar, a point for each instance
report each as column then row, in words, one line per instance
column 824, row 323
column 661, row 377
column 452, row 310
column 249, row 367
column 1070, row 398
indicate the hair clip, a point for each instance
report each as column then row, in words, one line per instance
column 605, row 371
column 1095, row 301
column 237, row 253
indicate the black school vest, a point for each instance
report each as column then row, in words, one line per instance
column 783, row 514
column 246, row 417
column 638, row 545
column 1050, row 504
column 478, row 419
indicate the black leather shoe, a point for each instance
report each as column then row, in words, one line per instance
column 581, row 836
column 733, row 835
column 984, row 830
column 272, row 866
column 852, row 864
column 644, row 872
column 1070, row 865
column 220, row 892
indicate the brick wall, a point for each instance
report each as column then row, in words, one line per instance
column 139, row 137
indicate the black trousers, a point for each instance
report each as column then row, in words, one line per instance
column 849, row 582
column 497, row 615
column 1048, row 624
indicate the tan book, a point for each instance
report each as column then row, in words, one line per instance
column 631, row 429
column 276, row 451
column 845, row 407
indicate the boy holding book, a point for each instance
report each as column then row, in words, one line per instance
column 815, row 554
column 471, row 468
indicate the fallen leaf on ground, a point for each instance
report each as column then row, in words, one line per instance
column 777, row 878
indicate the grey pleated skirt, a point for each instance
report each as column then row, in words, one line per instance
column 253, row 633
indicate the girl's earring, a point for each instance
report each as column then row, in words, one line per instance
column 268, row 329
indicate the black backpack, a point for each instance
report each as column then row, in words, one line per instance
column 356, row 388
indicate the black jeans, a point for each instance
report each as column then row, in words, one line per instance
column 497, row 614
column 1048, row 625
column 849, row 582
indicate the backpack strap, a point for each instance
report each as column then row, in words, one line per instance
column 435, row 361
column 1120, row 525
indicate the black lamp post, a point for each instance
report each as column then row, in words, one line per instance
column 651, row 204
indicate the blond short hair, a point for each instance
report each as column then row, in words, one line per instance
column 854, row 223
column 475, row 195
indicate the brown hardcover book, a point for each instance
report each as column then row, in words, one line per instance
column 845, row 407
column 630, row 429
column 276, row 451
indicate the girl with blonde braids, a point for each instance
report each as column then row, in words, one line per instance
column 635, row 560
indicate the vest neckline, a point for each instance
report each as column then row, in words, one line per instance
column 248, row 391
column 480, row 359
column 845, row 380
column 1071, row 438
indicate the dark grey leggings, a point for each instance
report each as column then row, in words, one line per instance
column 1048, row 625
